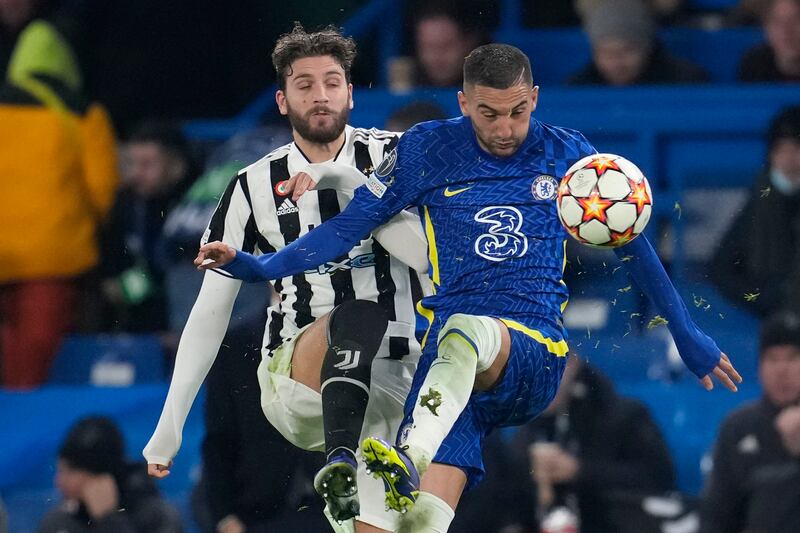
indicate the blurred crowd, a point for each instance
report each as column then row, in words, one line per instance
column 105, row 201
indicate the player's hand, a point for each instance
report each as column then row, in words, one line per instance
column 213, row 255
column 299, row 184
column 159, row 471
column 231, row 524
column 788, row 425
column 100, row 495
column 725, row 373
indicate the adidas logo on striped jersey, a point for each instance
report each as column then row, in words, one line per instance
column 287, row 208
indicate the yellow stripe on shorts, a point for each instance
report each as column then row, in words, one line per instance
column 558, row 348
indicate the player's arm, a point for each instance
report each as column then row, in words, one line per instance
column 373, row 204
column 197, row 350
column 204, row 331
column 324, row 243
column 402, row 236
column 698, row 351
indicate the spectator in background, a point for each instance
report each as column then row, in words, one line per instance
column 157, row 170
column 550, row 13
column 3, row 518
column 757, row 263
column 102, row 491
column 625, row 50
column 186, row 222
column 662, row 10
column 777, row 60
column 414, row 113
column 443, row 36
column 14, row 16
column 58, row 174
column 590, row 445
column 244, row 488
column 748, row 12
column 755, row 481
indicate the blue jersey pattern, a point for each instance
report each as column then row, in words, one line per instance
column 496, row 248
column 495, row 244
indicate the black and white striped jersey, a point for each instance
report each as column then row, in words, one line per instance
column 256, row 215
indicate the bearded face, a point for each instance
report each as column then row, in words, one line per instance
column 321, row 124
column 317, row 99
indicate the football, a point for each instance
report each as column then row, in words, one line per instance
column 604, row 200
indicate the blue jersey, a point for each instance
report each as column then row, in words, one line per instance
column 495, row 243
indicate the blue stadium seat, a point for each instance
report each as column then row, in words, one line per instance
column 27, row 458
column 711, row 5
column 555, row 54
column 719, row 52
column 113, row 360
column 558, row 53
column 689, row 417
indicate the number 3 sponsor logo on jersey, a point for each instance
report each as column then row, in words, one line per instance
column 503, row 240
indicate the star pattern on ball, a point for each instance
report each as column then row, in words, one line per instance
column 594, row 207
column 639, row 196
column 563, row 188
column 601, row 164
column 574, row 233
column 619, row 239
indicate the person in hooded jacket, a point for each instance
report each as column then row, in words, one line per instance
column 591, row 449
column 102, row 491
column 757, row 263
column 58, row 175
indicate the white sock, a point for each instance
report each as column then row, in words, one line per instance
column 429, row 515
column 466, row 344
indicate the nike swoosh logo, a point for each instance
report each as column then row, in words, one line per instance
column 448, row 193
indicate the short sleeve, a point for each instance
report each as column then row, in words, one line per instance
column 233, row 221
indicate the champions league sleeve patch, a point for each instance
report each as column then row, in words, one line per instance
column 375, row 186
column 387, row 165
column 376, row 183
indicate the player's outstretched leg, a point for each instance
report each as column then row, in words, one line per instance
column 395, row 469
column 467, row 346
column 355, row 331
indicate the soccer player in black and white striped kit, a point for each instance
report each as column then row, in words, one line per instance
column 339, row 347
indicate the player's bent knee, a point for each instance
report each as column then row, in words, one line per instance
column 430, row 515
column 358, row 324
column 360, row 317
column 482, row 333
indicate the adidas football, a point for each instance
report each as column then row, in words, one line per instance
column 604, row 200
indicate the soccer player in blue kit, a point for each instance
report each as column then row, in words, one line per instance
column 494, row 345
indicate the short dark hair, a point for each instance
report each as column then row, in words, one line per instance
column 780, row 329
column 95, row 444
column 298, row 44
column 785, row 125
column 498, row 66
column 164, row 133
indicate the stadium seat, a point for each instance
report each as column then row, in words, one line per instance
column 108, row 360
column 711, row 5
column 719, row 52
column 689, row 417
column 558, row 53
column 27, row 460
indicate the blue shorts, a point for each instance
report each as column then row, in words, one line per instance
column 527, row 387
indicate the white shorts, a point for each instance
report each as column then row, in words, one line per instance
column 296, row 410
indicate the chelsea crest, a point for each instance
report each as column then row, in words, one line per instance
column 544, row 187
